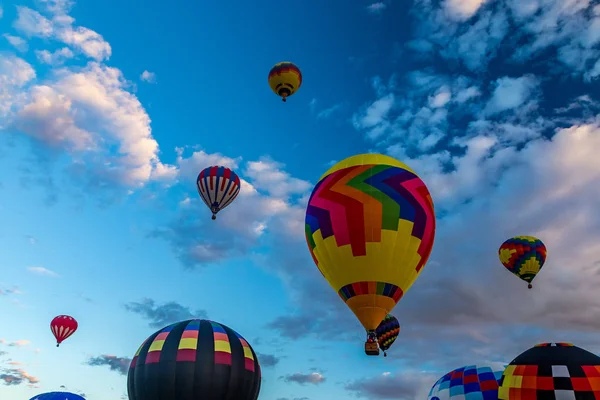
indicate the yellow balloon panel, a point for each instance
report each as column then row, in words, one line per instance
column 370, row 226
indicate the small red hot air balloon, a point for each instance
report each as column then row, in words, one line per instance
column 62, row 327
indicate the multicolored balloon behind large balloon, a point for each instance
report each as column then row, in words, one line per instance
column 552, row 371
column 476, row 382
column 62, row 327
column 218, row 187
column 194, row 359
column 285, row 79
column 387, row 332
column 58, row 396
column 523, row 256
column 370, row 227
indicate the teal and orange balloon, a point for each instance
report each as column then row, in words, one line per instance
column 285, row 79
column 370, row 227
column 524, row 256
column 194, row 359
column 387, row 332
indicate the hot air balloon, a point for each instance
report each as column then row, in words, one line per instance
column 552, row 371
column 370, row 227
column 194, row 359
column 387, row 332
column 524, row 256
column 58, row 396
column 218, row 187
column 285, row 79
column 471, row 382
column 62, row 327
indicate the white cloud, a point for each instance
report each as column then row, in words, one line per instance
column 32, row 23
column 57, row 7
column 376, row 8
column 87, row 41
column 511, row 93
column 462, row 10
column 90, row 43
column 440, row 98
column 594, row 72
column 269, row 176
column 49, row 118
column 467, row 94
column 571, row 27
column 55, row 58
column 148, row 76
column 374, row 118
column 14, row 74
column 326, row 113
column 270, row 201
column 18, row 43
column 42, row 271
column 88, row 111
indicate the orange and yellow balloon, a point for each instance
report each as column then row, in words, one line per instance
column 285, row 79
column 370, row 227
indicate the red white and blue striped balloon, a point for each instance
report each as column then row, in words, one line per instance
column 218, row 187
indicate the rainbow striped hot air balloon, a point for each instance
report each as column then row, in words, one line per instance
column 370, row 227
column 285, row 79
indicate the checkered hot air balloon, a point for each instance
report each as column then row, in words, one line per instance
column 523, row 256
column 552, row 371
column 194, row 359
column 370, row 226
column 472, row 382
column 58, row 396
column 218, row 187
column 62, row 327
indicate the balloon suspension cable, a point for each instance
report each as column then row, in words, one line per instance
column 529, row 286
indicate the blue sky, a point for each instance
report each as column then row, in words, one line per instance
column 108, row 110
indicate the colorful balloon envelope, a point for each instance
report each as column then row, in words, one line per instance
column 218, row 187
column 387, row 332
column 370, row 227
column 58, row 396
column 472, row 382
column 285, row 79
column 194, row 359
column 552, row 371
column 523, row 256
column 62, row 327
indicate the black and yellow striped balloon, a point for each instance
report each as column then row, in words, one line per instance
column 194, row 360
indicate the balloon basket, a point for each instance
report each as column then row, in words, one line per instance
column 371, row 348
